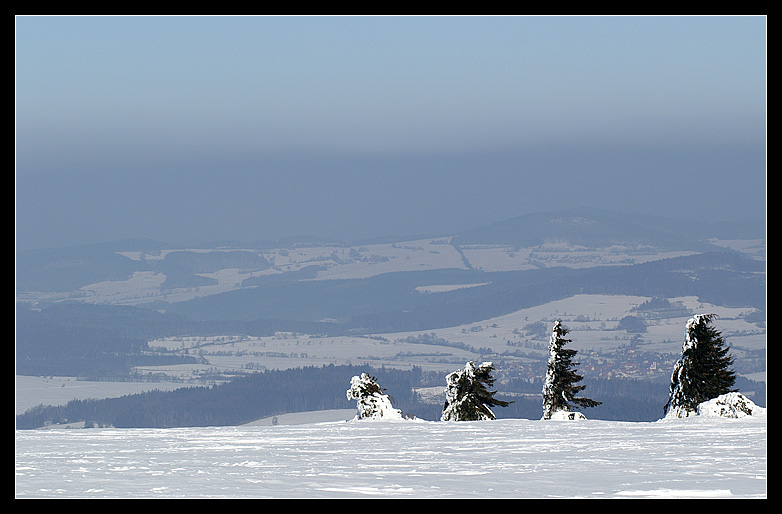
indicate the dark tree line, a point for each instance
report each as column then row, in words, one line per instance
column 106, row 341
column 389, row 303
column 88, row 341
column 276, row 392
column 240, row 401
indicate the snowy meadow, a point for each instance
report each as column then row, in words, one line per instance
column 696, row 457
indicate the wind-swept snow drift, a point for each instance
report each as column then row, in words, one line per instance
column 730, row 405
column 694, row 457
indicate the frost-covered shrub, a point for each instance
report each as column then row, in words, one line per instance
column 371, row 402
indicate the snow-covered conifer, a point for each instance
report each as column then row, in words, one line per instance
column 703, row 371
column 467, row 397
column 559, row 388
column 371, row 402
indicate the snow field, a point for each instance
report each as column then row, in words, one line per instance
column 509, row 458
column 598, row 333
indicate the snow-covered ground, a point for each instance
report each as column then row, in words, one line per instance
column 33, row 391
column 364, row 261
column 592, row 319
column 697, row 457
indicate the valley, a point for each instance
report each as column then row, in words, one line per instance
column 212, row 313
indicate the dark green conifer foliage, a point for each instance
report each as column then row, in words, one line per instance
column 559, row 388
column 703, row 371
column 467, row 396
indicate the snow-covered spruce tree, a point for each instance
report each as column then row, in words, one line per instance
column 371, row 402
column 703, row 371
column 559, row 388
column 467, row 397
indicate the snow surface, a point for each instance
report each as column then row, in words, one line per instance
column 730, row 405
column 566, row 415
column 695, row 457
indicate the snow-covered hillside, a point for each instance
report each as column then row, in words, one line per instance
column 697, row 457
column 593, row 320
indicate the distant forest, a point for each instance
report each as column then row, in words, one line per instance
column 390, row 303
column 92, row 341
column 270, row 393
column 106, row 341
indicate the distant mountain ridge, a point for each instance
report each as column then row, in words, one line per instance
column 70, row 268
column 596, row 228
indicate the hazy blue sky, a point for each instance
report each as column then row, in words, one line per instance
column 187, row 129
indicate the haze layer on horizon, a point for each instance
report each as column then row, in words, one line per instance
column 192, row 129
